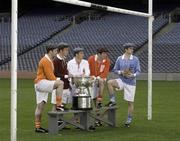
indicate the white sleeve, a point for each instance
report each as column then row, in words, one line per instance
column 69, row 67
column 87, row 72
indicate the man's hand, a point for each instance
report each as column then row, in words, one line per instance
column 70, row 76
column 127, row 73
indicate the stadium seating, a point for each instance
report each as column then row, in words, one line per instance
column 166, row 53
column 112, row 31
column 32, row 31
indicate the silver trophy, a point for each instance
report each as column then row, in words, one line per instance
column 82, row 84
column 82, row 98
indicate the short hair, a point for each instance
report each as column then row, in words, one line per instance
column 77, row 50
column 62, row 45
column 101, row 50
column 128, row 45
column 50, row 47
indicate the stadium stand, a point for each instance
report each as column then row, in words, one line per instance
column 111, row 31
column 39, row 29
column 166, row 53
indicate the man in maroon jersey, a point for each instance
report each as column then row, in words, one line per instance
column 60, row 70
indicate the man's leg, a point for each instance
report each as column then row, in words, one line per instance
column 95, row 101
column 129, row 94
column 58, row 85
column 66, row 98
column 42, row 88
column 130, row 108
column 62, row 100
column 53, row 100
column 93, row 93
column 38, row 115
column 130, row 113
column 100, row 93
column 111, row 85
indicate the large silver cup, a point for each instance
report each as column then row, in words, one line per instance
column 82, row 99
column 82, row 84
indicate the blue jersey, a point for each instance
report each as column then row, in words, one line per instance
column 131, row 64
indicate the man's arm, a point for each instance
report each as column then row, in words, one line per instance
column 70, row 69
column 105, row 72
column 86, row 68
column 48, row 71
column 137, row 68
column 116, row 68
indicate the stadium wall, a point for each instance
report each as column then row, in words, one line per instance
column 155, row 76
column 20, row 74
column 143, row 76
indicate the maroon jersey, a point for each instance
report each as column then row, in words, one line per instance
column 60, row 70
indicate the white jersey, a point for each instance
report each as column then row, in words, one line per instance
column 76, row 69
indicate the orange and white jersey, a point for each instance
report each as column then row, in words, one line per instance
column 45, row 69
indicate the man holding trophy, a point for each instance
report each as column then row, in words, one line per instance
column 127, row 67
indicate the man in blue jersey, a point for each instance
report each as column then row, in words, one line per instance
column 127, row 67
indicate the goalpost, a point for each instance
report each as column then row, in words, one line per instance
column 150, row 17
column 14, row 33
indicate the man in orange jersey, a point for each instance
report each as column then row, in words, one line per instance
column 99, row 68
column 45, row 83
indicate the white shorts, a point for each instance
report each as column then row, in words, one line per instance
column 129, row 90
column 42, row 88
column 66, row 97
column 94, row 91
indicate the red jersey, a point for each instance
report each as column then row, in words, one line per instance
column 98, row 68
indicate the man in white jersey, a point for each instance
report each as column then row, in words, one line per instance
column 78, row 66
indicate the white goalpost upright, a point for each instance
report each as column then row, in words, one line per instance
column 150, row 17
column 150, row 43
column 14, row 15
column 14, row 33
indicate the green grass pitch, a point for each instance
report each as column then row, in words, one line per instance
column 165, row 125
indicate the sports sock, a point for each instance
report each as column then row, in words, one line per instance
column 129, row 119
column 58, row 100
column 37, row 124
column 99, row 99
column 112, row 98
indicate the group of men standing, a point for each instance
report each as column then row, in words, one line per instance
column 54, row 75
